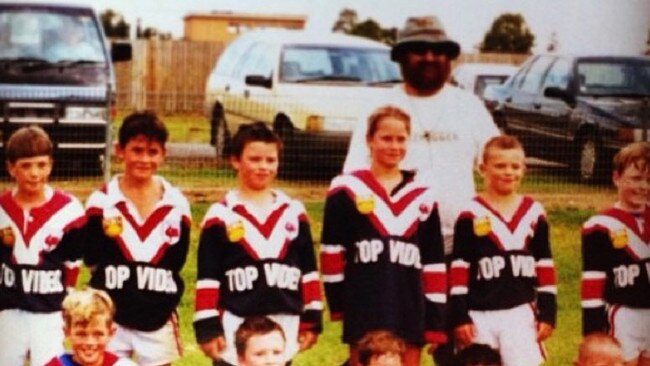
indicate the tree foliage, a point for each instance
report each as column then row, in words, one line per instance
column 114, row 24
column 509, row 34
column 348, row 23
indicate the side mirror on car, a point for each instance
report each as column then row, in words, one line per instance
column 121, row 51
column 559, row 93
column 258, row 80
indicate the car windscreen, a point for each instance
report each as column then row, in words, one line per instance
column 49, row 35
column 301, row 64
column 614, row 78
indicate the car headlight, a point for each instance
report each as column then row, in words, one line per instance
column 633, row 134
column 331, row 124
column 85, row 114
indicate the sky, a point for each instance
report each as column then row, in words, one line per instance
column 580, row 26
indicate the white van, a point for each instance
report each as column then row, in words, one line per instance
column 308, row 87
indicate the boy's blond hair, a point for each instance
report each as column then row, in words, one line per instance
column 377, row 343
column 84, row 305
column 28, row 142
column 637, row 154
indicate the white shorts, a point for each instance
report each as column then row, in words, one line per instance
column 289, row 324
column 632, row 328
column 153, row 348
column 22, row 332
column 513, row 332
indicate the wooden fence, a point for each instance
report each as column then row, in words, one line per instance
column 170, row 76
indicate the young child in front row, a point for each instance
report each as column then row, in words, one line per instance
column 260, row 342
column 616, row 259
column 138, row 228
column 88, row 326
column 40, row 252
column 256, row 256
column 382, row 253
column 381, row 348
column 503, row 281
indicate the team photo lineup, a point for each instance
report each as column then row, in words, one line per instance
column 415, row 262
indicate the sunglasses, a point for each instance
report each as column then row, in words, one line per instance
column 422, row 48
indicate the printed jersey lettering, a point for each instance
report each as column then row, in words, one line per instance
column 41, row 282
column 275, row 274
column 402, row 253
column 626, row 275
column 7, row 276
column 147, row 278
column 523, row 266
column 490, row 267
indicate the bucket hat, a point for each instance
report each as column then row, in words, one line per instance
column 425, row 29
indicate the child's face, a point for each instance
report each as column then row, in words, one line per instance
column 387, row 359
column 388, row 144
column 503, row 170
column 31, row 174
column 633, row 186
column 89, row 340
column 264, row 350
column 142, row 157
column 258, row 165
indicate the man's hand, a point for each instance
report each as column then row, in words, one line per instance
column 465, row 334
column 544, row 330
column 306, row 339
column 214, row 347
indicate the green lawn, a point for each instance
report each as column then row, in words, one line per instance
column 565, row 223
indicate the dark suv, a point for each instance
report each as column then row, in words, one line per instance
column 579, row 110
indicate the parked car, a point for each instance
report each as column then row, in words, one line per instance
column 579, row 110
column 475, row 77
column 68, row 92
column 308, row 87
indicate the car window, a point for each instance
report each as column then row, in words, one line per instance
column 231, row 56
column 302, row 63
column 558, row 75
column 613, row 77
column 255, row 61
column 533, row 79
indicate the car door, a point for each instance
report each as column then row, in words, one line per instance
column 522, row 112
column 553, row 114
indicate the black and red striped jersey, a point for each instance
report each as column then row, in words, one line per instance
column 41, row 251
column 110, row 359
column 500, row 264
column 256, row 263
column 382, row 258
column 615, row 264
column 138, row 260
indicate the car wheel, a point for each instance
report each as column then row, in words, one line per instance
column 590, row 161
column 219, row 135
column 289, row 166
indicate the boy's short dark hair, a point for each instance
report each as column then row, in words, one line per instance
column 377, row 343
column 503, row 142
column 252, row 326
column 637, row 153
column 478, row 354
column 253, row 132
column 28, row 142
column 144, row 123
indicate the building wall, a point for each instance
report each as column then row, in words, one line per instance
column 220, row 27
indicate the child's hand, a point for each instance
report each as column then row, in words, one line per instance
column 544, row 330
column 306, row 339
column 465, row 334
column 214, row 347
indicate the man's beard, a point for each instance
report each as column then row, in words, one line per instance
column 426, row 77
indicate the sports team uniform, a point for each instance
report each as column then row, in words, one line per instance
column 138, row 262
column 616, row 278
column 40, row 255
column 503, row 278
column 254, row 263
column 382, row 259
column 110, row 359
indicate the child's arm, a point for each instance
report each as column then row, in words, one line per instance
column 312, row 297
column 459, row 278
column 207, row 322
column 546, row 277
column 434, row 276
column 595, row 240
column 72, row 242
column 332, row 253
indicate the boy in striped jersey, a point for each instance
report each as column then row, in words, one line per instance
column 256, row 256
column 616, row 259
column 503, row 282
